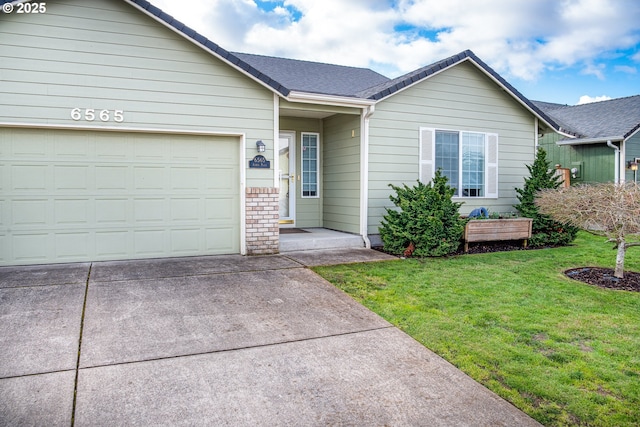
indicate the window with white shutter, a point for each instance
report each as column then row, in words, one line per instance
column 468, row 159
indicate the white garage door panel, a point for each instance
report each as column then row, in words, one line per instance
column 82, row 196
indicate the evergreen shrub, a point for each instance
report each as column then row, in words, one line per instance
column 425, row 222
column 544, row 231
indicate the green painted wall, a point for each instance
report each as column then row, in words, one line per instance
column 105, row 54
column 341, row 166
column 460, row 98
column 595, row 161
column 632, row 152
column 308, row 210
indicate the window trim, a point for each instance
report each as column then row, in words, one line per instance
column 302, row 170
column 427, row 150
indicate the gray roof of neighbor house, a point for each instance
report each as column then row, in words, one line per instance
column 618, row 117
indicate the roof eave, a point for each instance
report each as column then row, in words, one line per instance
column 633, row 131
column 335, row 100
column 203, row 43
column 587, row 141
column 470, row 56
column 514, row 94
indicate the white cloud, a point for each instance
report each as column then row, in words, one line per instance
column 518, row 38
column 595, row 70
column 626, row 69
column 586, row 99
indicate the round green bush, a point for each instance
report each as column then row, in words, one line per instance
column 425, row 221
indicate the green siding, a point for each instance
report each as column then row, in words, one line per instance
column 341, row 166
column 632, row 152
column 460, row 98
column 308, row 210
column 596, row 161
column 107, row 55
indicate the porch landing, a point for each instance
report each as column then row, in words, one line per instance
column 318, row 238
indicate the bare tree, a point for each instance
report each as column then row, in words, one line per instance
column 608, row 209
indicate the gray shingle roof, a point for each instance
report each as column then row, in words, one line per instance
column 285, row 75
column 616, row 117
column 315, row 77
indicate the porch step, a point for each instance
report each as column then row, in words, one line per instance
column 319, row 238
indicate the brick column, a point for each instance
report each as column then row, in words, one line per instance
column 262, row 228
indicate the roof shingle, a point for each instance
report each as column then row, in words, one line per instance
column 315, row 77
column 615, row 117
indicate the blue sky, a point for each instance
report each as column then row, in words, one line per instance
column 564, row 51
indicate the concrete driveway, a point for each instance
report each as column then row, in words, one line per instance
column 224, row 340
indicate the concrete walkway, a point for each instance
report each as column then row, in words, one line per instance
column 218, row 341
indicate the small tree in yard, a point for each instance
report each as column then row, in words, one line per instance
column 426, row 222
column 544, row 229
column 611, row 210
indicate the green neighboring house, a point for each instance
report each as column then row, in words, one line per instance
column 126, row 134
column 598, row 142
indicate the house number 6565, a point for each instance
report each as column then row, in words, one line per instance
column 91, row 114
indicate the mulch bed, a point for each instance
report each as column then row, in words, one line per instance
column 604, row 278
column 500, row 246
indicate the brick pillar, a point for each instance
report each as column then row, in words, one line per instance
column 262, row 227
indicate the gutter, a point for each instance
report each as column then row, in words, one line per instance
column 335, row 100
column 585, row 141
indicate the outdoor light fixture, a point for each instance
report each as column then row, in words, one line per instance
column 633, row 165
column 260, row 146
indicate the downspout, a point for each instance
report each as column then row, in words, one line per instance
column 276, row 141
column 617, row 161
column 364, row 173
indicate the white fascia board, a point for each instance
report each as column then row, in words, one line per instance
column 334, row 100
column 561, row 132
column 586, row 141
column 506, row 89
column 186, row 37
column 633, row 133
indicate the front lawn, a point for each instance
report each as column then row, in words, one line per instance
column 564, row 352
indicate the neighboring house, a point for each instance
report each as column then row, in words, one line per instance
column 597, row 141
column 126, row 134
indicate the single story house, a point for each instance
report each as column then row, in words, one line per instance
column 126, row 134
column 598, row 142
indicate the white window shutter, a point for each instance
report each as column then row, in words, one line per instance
column 492, row 165
column 427, row 154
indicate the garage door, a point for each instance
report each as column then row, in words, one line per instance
column 88, row 195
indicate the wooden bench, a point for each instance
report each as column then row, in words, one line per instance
column 491, row 230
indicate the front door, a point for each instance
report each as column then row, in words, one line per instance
column 287, row 178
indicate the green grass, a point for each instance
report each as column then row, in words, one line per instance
column 564, row 352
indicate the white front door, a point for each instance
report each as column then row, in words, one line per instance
column 287, row 178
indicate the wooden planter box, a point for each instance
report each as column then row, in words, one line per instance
column 490, row 230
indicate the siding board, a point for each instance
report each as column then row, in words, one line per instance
column 106, row 54
column 460, row 98
column 341, row 166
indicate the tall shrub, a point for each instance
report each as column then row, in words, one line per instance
column 425, row 222
column 545, row 230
